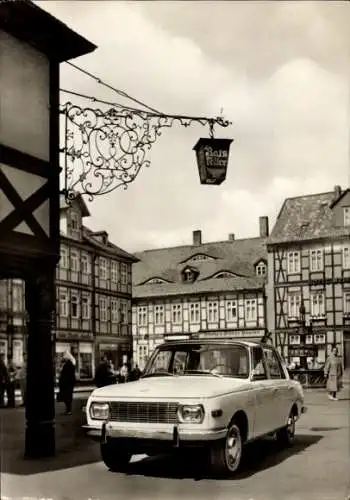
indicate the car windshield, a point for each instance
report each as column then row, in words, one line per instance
column 199, row 359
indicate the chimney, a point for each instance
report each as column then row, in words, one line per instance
column 231, row 237
column 264, row 226
column 197, row 237
column 337, row 192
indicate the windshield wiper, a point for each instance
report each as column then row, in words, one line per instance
column 202, row 372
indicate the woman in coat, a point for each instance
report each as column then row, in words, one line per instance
column 67, row 382
column 333, row 372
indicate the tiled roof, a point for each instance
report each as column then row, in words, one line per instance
column 109, row 247
column 204, row 286
column 306, row 218
column 237, row 256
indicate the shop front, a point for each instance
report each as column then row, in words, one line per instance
column 118, row 353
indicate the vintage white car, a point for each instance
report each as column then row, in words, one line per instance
column 218, row 395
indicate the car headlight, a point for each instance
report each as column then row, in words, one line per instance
column 190, row 414
column 99, row 411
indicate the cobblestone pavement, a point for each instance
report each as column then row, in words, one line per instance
column 316, row 468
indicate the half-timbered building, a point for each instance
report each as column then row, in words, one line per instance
column 93, row 298
column 202, row 290
column 309, row 266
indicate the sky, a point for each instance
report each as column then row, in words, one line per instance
column 280, row 71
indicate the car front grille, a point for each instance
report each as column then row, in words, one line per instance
column 147, row 412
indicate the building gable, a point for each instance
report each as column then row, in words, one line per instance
column 341, row 210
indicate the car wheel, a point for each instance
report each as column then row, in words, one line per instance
column 226, row 455
column 115, row 457
column 286, row 435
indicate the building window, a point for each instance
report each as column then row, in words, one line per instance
column 103, row 309
column 294, row 339
column 308, row 339
column 293, row 262
column 231, row 310
column 74, row 304
column 294, row 302
column 114, row 271
column 85, row 263
column 74, row 220
column 103, row 268
column 142, row 355
column 124, row 312
column 195, row 313
column 347, row 303
column 250, row 310
column 114, row 311
column 85, row 307
column 346, row 211
column 124, row 273
column 17, row 295
column 159, row 315
column 64, row 258
column 317, row 304
column 74, row 260
column 142, row 316
column 176, row 313
column 63, row 298
column 346, row 257
column 320, row 338
column 261, row 269
column 213, row 312
column 316, row 260
column 85, row 361
column 3, row 294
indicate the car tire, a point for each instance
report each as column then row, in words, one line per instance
column 226, row 455
column 115, row 457
column 286, row 435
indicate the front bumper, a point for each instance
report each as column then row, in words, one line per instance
column 173, row 434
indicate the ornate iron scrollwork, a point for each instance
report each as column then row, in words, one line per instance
column 104, row 150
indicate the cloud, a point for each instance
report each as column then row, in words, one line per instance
column 284, row 83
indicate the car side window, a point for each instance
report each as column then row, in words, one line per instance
column 273, row 364
column 258, row 365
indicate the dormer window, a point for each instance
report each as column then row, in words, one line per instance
column 155, row 281
column 225, row 274
column 189, row 275
column 261, row 269
column 346, row 212
column 200, row 257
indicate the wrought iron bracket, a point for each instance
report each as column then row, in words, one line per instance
column 104, row 150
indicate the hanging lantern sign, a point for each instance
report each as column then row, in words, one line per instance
column 212, row 159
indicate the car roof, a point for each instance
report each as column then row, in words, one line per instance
column 247, row 343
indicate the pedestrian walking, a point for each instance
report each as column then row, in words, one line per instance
column 67, row 382
column 3, row 379
column 333, row 372
column 11, row 384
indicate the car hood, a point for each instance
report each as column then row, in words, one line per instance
column 192, row 387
